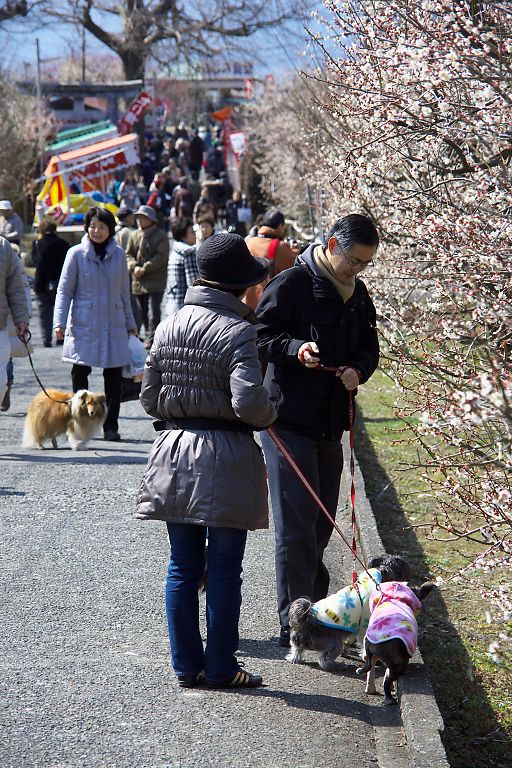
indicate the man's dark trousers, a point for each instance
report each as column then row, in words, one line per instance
column 149, row 305
column 46, row 301
column 302, row 531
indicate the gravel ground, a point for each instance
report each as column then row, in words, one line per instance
column 85, row 677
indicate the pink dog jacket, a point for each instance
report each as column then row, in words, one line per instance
column 392, row 611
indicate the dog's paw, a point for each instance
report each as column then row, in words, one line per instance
column 79, row 446
column 389, row 701
column 330, row 665
column 294, row 657
column 371, row 690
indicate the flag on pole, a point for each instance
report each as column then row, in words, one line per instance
column 137, row 108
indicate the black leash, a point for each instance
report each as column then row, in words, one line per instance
column 25, row 339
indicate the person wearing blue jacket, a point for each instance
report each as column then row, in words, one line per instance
column 317, row 313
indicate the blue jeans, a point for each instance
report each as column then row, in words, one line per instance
column 302, row 531
column 226, row 547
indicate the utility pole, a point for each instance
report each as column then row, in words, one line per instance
column 83, row 55
column 40, row 146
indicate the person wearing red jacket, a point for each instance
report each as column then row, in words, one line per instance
column 268, row 243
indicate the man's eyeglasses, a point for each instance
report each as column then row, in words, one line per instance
column 356, row 263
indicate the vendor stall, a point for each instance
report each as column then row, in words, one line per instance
column 75, row 180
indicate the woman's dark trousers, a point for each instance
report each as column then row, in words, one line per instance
column 112, row 380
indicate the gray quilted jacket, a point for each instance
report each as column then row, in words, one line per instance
column 204, row 363
column 12, row 287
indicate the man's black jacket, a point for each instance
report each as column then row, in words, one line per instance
column 48, row 255
column 300, row 304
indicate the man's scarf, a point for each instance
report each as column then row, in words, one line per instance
column 321, row 260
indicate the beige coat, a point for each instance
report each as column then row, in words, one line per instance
column 154, row 260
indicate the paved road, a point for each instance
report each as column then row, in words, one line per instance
column 85, row 679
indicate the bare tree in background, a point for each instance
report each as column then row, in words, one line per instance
column 168, row 31
column 19, row 138
column 12, row 8
column 99, row 68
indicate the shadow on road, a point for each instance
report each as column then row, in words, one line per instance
column 74, row 458
column 8, row 491
column 334, row 705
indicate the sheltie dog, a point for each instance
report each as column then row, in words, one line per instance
column 79, row 416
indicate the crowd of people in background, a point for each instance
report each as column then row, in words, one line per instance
column 182, row 174
column 172, row 202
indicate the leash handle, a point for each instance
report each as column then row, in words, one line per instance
column 24, row 337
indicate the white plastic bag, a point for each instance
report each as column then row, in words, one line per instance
column 138, row 355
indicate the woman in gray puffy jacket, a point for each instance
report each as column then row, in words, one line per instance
column 205, row 474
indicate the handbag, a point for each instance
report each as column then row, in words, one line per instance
column 131, row 375
column 244, row 214
column 130, row 389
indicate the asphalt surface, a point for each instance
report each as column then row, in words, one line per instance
column 85, row 676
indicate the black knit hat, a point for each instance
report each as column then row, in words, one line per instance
column 226, row 260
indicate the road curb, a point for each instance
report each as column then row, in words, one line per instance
column 421, row 717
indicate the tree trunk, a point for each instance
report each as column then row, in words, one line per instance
column 133, row 64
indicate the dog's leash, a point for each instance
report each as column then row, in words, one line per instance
column 25, row 339
column 286, row 453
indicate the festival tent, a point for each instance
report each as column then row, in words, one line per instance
column 90, row 168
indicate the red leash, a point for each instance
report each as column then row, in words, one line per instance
column 291, row 461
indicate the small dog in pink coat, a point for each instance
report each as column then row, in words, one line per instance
column 392, row 632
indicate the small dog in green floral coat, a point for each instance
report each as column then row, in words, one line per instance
column 339, row 619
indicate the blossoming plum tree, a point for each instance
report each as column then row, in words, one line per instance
column 410, row 121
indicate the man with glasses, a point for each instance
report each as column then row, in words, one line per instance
column 317, row 333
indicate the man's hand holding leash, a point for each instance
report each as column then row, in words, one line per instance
column 349, row 377
column 309, row 356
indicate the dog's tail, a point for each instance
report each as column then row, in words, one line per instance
column 299, row 611
column 29, row 439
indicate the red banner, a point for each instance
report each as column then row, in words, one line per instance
column 137, row 108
